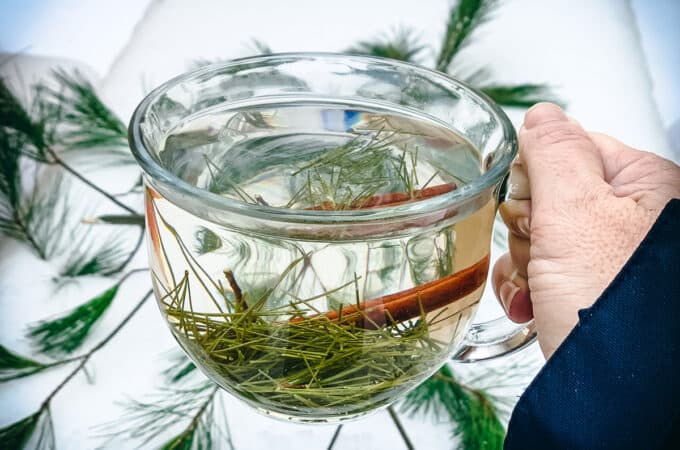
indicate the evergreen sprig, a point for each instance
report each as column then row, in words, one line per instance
column 472, row 414
column 67, row 333
column 87, row 123
column 464, row 18
column 35, row 215
column 97, row 256
column 13, row 366
column 193, row 407
column 35, row 432
column 520, row 95
column 401, row 44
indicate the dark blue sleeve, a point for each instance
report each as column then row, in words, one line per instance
column 614, row 383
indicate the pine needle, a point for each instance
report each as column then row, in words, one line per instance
column 13, row 366
column 521, row 95
column 67, row 333
column 180, row 368
column 399, row 44
column 464, row 18
column 45, row 212
column 13, row 116
column 93, row 257
column 87, row 123
column 34, row 432
column 195, row 406
column 473, row 416
column 35, row 216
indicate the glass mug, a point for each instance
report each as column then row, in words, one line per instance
column 319, row 226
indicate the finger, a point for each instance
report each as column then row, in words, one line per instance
column 516, row 215
column 560, row 158
column 519, row 188
column 512, row 290
column 519, row 253
column 635, row 173
column 615, row 154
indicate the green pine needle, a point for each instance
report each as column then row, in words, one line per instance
column 34, row 432
column 13, row 366
column 88, row 124
column 13, row 116
column 35, row 216
column 464, row 18
column 520, row 95
column 196, row 408
column 180, row 368
column 45, row 213
column 473, row 416
column 400, row 44
column 10, row 185
column 67, row 333
column 95, row 258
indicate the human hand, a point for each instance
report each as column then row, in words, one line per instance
column 580, row 205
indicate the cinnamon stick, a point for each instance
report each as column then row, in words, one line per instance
column 390, row 198
column 412, row 302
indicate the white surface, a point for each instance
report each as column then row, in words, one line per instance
column 587, row 48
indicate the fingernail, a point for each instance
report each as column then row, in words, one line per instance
column 518, row 183
column 523, row 226
column 507, row 292
column 543, row 112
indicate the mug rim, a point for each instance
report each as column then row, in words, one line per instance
column 157, row 173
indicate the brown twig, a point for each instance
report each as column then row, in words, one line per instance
column 238, row 294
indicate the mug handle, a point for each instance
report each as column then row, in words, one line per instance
column 501, row 336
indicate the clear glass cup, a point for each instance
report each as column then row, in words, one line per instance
column 319, row 226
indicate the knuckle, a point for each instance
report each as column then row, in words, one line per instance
column 559, row 132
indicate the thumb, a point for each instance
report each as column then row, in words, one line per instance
column 561, row 160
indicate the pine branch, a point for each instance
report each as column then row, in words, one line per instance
column 198, row 434
column 19, row 434
column 66, row 333
column 56, row 159
column 170, row 407
column 13, row 366
column 400, row 428
column 399, row 44
column 46, row 213
column 87, row 123
column 464, row 18
column 520, row 95
column 36, row 217
column 106, row 258
column 16, row 120
column 12, row 218
column 334, row 438
column 471, row 413
column 13, row 116
column 35, row 432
